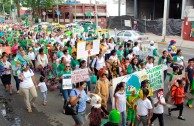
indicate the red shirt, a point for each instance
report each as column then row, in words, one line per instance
column 14, row 49
column 180, row 92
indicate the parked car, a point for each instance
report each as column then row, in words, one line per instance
column 81, row 23
column 130, row 35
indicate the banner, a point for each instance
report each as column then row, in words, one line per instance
column 67, row 81
column 88, row 48
column 6, row 49
column 80, row 75
column 133, row 81
column 77, row 30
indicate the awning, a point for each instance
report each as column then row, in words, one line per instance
column 88, row 14
column 79, row 14
column 101, row 14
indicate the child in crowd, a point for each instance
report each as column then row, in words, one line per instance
column 142, row 66
column 179, row 98
column 143, row 109
column 149, row 64
column 54, row 67
column 120, row 100
column 32, row 57
column 159, row 103
column 43, row 89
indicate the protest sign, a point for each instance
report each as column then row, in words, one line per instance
column 89, row 48
column 77, row 30
column 67, row 81
column 90, row 28
column 80, row 75
column 101, row 32
column 6, row 49
column 133, row 81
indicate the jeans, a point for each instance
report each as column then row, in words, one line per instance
column 26, row 92
column 79, row 118
column 89, row 85
column 165, row 74
column 17, row 81
column 66, row 93
column 123, row 115
column 44, row 95
column 160, row 118
column 143, row 119
column 178, row 107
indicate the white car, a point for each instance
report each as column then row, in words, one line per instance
column 131, row 35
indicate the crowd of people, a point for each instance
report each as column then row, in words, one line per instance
column 50, row 55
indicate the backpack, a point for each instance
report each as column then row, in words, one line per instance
column 173, row 92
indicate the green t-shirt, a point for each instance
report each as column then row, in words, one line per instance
column 23, row 43
column 130, row 69
column 75, row 63
column 63, row 72
column 59, row 54
column 171, row 76
column 69, row 50
column 120, row 54
column 61, row 67
column 54, row 66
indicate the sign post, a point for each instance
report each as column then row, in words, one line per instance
column 58, row 13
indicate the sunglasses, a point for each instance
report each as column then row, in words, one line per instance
column 67, row 66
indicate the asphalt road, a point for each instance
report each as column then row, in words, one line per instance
column 51, row 115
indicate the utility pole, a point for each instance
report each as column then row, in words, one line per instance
column 164, row 21
column 96, row 14
column 119, row 8
column 75, row 11
column 57, row 11
column 12, row 11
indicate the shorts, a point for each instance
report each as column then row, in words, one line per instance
column 79, row 118
column 6, row 79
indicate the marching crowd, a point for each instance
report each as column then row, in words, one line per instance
column 50, row 55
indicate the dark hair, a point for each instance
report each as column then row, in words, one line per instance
column 180, row 81
column 136, row 43
column 62, row 59
column 145, row 91
column 190, row 60
column 41, row 79
column 132, row 64
column 40, row 50
column 68, row 44
column 80, row 84
column 178, row 51
column 118, row 87
column 113, row 51
column 120, row 47
column 82, row 62
column 149, row 57
column 64, row 51
column 175, row 68
column 164, row 51
column 130, row 51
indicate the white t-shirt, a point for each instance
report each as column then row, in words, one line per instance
column 121, row 101
column 136, row 50
column 112, row 46
column 159, row 109
column 130, row 56
column 100, row 63
column 27, row 81
column 151, row 51
column 113, row 58
column 7, row 65
column 67, row 58
column 149, row 65
column 31, row 55
column 42, row 86
column 180, row 60
column 143, row 106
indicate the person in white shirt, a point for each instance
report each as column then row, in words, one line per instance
column 6, row 75
column 43, row 89
column 143, row 108
column 98, row 63
column 120, row 100
column 159, row 103
column 42, row 61
column 111, row 44
column 66, row 56
column 151, row 49
column 31, row 55
column 28, row 85
column 149, row 64
column 136, row 49
column 130, row 55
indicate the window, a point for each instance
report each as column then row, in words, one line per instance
column 128, row 34
column 120, row 34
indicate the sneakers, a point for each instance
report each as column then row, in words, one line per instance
column 169, row 111
column 181, row 118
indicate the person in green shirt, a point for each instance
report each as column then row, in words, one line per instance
column 74, row 62
column 175, row 72
column 69, row 47
column 120, row 53
column 61, row 66
column 60, row 52
column 54, row 67
column 65, row 92
column 133, row 67
column 23, row 44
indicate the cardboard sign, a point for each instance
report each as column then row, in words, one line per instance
column 88, row 48
column 67, row 81
column 80, row 75
column 6, row 49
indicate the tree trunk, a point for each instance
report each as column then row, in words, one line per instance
column 18, row 9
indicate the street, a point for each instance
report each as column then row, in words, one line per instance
column 51, row 115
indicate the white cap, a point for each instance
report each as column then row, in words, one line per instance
column 151, row 42
column 96, row 101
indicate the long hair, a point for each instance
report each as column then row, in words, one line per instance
column 132, row 63
column 118, row 87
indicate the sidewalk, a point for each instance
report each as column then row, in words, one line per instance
column 178, row 39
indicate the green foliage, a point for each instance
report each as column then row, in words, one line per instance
column 23, row 17
column 36, row 19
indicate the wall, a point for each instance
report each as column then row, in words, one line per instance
column 130, row 7
column 189, row 2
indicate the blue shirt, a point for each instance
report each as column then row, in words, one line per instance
column 82, row 100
